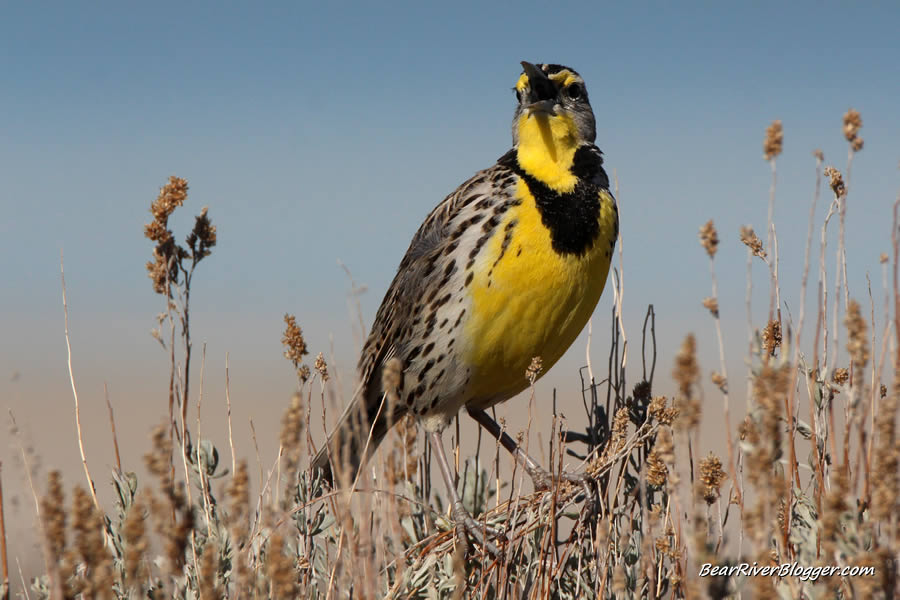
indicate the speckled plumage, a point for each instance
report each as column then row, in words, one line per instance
column 507, row 267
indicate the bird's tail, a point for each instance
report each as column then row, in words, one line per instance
column 357, row 435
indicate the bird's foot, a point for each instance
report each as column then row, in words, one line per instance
column 544, row 480
column 481, row 532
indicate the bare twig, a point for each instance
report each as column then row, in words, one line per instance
column 724, row 389
column 620, row 282
column 22, row 579
column 87, row 472
column 112, row 426
column 770, row 241
column 201, row 467
column 4, row 560
column 587, row 352
column 228, row 404
column 256, row 447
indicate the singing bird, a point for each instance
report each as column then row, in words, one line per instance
column 507, row 268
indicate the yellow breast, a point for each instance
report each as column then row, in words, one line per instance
column 529, row 300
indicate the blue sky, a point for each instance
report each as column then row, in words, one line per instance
column 318, row 132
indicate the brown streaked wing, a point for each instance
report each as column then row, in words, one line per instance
column 393, row 327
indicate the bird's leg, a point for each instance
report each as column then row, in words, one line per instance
column 543, row 480
column 464, row 521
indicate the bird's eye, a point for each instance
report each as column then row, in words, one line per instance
column 574, row 91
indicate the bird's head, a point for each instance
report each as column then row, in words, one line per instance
column 552, row 98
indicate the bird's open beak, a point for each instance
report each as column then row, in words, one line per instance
column 542, row 92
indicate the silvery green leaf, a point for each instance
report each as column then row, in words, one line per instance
column 209, row 457
column 443, row 523
column 410, row 528
column 321, row 522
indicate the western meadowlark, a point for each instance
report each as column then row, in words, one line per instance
column 507, row 268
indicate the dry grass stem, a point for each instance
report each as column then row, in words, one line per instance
column 4, row 558
column 87, row 472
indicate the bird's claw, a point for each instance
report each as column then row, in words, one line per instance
column 545, row 481
column 480, row 532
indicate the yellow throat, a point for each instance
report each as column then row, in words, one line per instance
column 547, row 145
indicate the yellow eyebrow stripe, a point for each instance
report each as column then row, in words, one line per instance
column 562, row 79
column 566, row 77
column 522, row 83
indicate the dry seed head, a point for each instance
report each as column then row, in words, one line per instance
column 709, row 238
column 641, row 392
column 883, row 390
column 157, row 232
column 238, row 494
column 665, row 545
column 750, row 239
column 711, row 476
column 820, row 156
column 171, row 196
column 770, row 388
column 534, row 369
column 774, row 141
column 618, row 581
column 857, row 144
column 852, row 124
column 720, row 382
column 747, row 430
column 53, row 516
column 135, row 534
column 158, row 460
column 665, row 446
column 840, row 376
column 658, row 411
column 881, row 561
column 292, row 426
column 619, row 428
column 656, row 469
column 836, row 181
column 883, row 258
column 857, row 344
column 208, row 573
column 662, row 544
column 712, row 305
column 280, row 569
column 321, row 367
column 87, row 527
column 163, row 269
column 404, row 446
column 295, row 345
column 687, row 374
column 887, row 456
column 174, row 517
column 835, row 505
column 772, row 337
column 203, row 237
column 178, row 536
column 166, row 253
